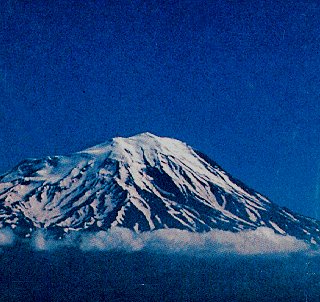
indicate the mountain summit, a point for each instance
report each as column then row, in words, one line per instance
column 143, row 183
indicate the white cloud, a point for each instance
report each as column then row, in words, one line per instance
column 115, row 239
column 43, row 241
column 260, row 241
column 7, row 237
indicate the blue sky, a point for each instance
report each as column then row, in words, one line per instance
column 238, row 80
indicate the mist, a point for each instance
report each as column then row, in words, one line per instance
column 262, row 241
column 7, row 238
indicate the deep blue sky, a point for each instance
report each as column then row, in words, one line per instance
column 238, row 80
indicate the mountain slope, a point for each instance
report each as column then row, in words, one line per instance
column 143, row 183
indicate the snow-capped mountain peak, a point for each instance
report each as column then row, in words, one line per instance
column 143, row 182
column 120, row 148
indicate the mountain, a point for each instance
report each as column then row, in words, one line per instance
column 142, row 183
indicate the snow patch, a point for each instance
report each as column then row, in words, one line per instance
column 277, row 228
